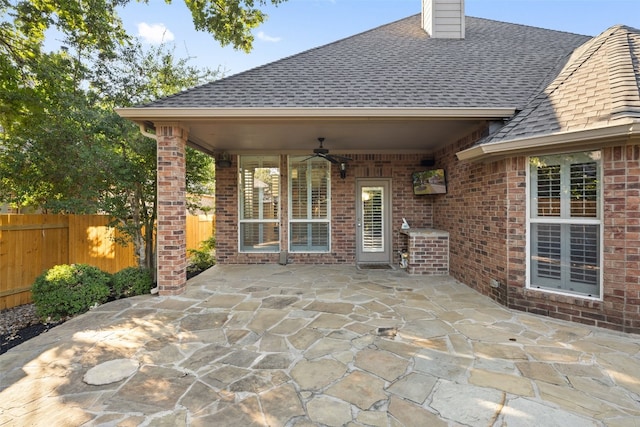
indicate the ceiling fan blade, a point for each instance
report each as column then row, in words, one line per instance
column 340, row 158
column 310, row 157
column 329, row 157
column 324, row 153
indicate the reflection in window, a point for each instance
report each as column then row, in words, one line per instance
column 309, row 198
column 259, row 186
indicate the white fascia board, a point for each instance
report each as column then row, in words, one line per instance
column 177, row 114
column 578, row 139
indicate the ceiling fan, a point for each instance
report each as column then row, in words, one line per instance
column 324, row 153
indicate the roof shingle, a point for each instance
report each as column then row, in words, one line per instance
column 498, row 65
column 598, row 87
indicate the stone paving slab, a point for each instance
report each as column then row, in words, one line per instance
column 295, row 346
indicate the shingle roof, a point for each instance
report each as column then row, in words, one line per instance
column 598, row 87
column 498, row 65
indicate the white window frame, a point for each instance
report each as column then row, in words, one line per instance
column 598, row 221
column 242, row 221
column 291, row 220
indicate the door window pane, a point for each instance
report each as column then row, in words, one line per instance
column 372, row 219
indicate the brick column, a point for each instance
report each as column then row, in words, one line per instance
column 172, row 219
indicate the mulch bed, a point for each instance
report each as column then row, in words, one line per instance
column 12, row 339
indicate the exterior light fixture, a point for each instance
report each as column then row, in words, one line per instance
column 223, row 160
column 343, row 170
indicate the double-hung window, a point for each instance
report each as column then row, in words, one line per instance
column 309, row 204
column 259, row 207
column 565, row 224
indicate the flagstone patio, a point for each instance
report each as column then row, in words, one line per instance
column 271, row 345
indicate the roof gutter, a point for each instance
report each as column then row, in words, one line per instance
column 156, row 114
column 583, row 139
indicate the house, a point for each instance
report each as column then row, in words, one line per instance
column 537, row 132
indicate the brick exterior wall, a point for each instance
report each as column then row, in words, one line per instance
column 475, row 213
column 172, row 220
column 620, row 305
column 621, row 238
column 484, row 212
column 416, row 209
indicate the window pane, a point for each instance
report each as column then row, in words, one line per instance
column 545, row 253
column 259, row 188
column 585, row 254
column 548, row 190
column 320, row 190
column 309, row 195
column 566, row 257
column 309, row 188
column 259, row 196
column 307, row 236
column 584, row 190
column 259, row 237
column 299, row 194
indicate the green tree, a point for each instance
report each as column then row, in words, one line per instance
column 90, row 27
column 137, row 76
column 62, row 147
column 75, row 155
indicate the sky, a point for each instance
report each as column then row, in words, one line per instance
column 298, row 25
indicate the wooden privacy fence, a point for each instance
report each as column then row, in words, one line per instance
column 31, row 244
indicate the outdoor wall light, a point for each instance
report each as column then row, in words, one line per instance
column 223, row 160
column 343, row 170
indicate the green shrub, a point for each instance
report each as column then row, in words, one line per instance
column 202, row 258
column 131, row 281
column 68, row 290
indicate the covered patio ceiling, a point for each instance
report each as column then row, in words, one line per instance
column 296, row 131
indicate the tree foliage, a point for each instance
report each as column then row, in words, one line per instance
column 62, row 147
column 230, row 20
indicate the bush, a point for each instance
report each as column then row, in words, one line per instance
column 68, row 290
column 131, row 281
column 202, row 258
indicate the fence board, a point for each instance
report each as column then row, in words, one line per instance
column 31, row 244
column 92, row 242
column 199, row 228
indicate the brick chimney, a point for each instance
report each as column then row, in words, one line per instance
column 443, row 19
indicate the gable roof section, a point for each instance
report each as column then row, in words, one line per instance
column 595, row 98
column 498, row 65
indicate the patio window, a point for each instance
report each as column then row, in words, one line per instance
column 309, row 210
column 259, row 207
column 565, row 224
